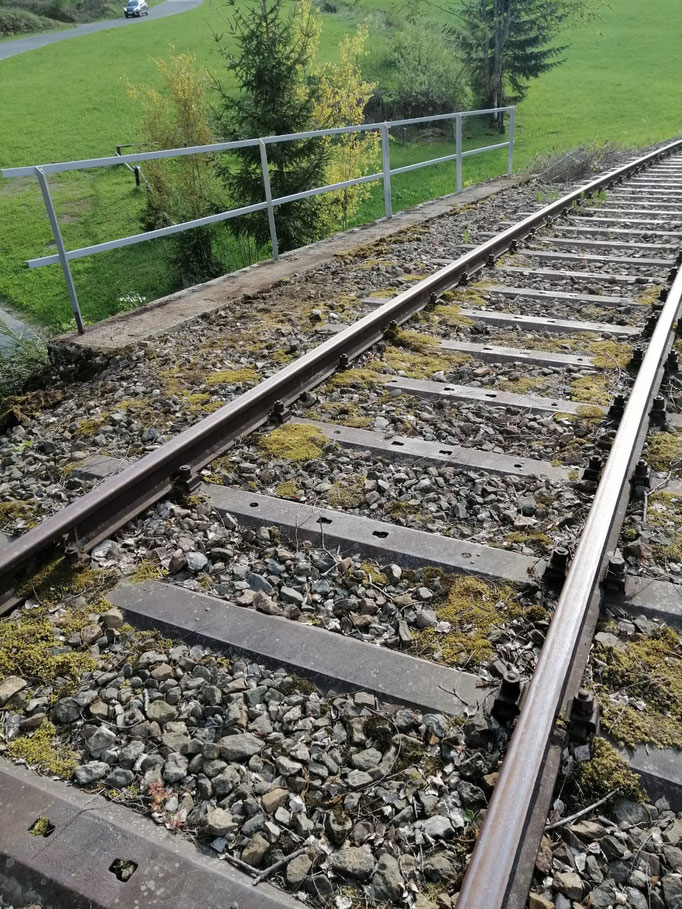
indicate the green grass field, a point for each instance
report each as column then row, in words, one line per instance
column 69, row 100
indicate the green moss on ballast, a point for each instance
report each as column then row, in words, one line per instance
column 664, row 451
column 232, row 377
column 452, row 315
column 420, row 365
column 665, row 513
column 27, row 649
column 349, row 492
column 42, row 752
column 605, row 772
column 294, row 442
column 58, row 579
column 474, row 608
column 649, row 672
column 287, row 489
column 591, row 389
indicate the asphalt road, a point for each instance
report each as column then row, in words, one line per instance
column 32, row 42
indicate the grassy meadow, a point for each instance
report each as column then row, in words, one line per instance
column 70, row 100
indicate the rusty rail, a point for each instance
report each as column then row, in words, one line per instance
column 490, row 881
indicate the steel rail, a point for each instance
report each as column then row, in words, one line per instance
column 104, row 509
column 489, row 880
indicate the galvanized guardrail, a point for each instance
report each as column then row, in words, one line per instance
column 64, row 256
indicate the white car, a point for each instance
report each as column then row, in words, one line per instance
column 135, row 9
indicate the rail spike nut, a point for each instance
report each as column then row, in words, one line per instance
column 584, row 716
column 506, row 705
column 555, row 572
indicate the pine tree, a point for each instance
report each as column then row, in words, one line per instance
column 273, row 52
column 507, row 44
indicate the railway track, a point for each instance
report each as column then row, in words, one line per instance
column 423, row 515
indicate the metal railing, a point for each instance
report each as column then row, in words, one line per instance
column 64, row 256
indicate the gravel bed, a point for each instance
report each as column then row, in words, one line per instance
column 335, row 797
column 423, row 611
column 467, row 504
column 560, row 309
column 509, row 430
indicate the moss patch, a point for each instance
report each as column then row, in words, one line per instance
column 535, row 539
column 664, row 451
column 43, row 753
column 650, row 671
column 650, row 295
column 362, row 377
column 593, row 389
column 469, row 296
column 349, row 492
column 473, row 608
column 57, row 580
column 524, row 385
column 414, row 340
column 605, row 772
column 147, row 571
column 665, row 512
column 13, row 512
column 288, row 489
column 610, row 354
column 294, row 442
column 452, row 315
column 421, row 366
column 375, row 575
column 232, row 377
column 27, row 649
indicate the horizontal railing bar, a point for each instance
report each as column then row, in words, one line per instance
column 407, row 167
column 463, row 113
column 477, row 151
column 198, row 222
column 149, row 235
column 331, row 187
column 113, row 160
column 445, row 158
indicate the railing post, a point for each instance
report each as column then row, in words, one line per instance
column 510, row 165
column 388, row 206
column 61, row 249
column 458, row 149
column 268, row 199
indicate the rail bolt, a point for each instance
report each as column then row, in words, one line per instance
column 72, row 554
column 663, row 294
column 280, row 412
column 584, row 716
column 636, row 358
column 617, row 408
column 672, row 364
column 593, row 470
column 555, row 572
column 615, row 575
column 641, row 478
column 650, row 326
column 513, row 246
column 343, row 361
column 185, row 473
column 506, row 705
column 463, row 279
column 490, row 261
column 658, row 414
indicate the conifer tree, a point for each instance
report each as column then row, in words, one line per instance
column 270, row 62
